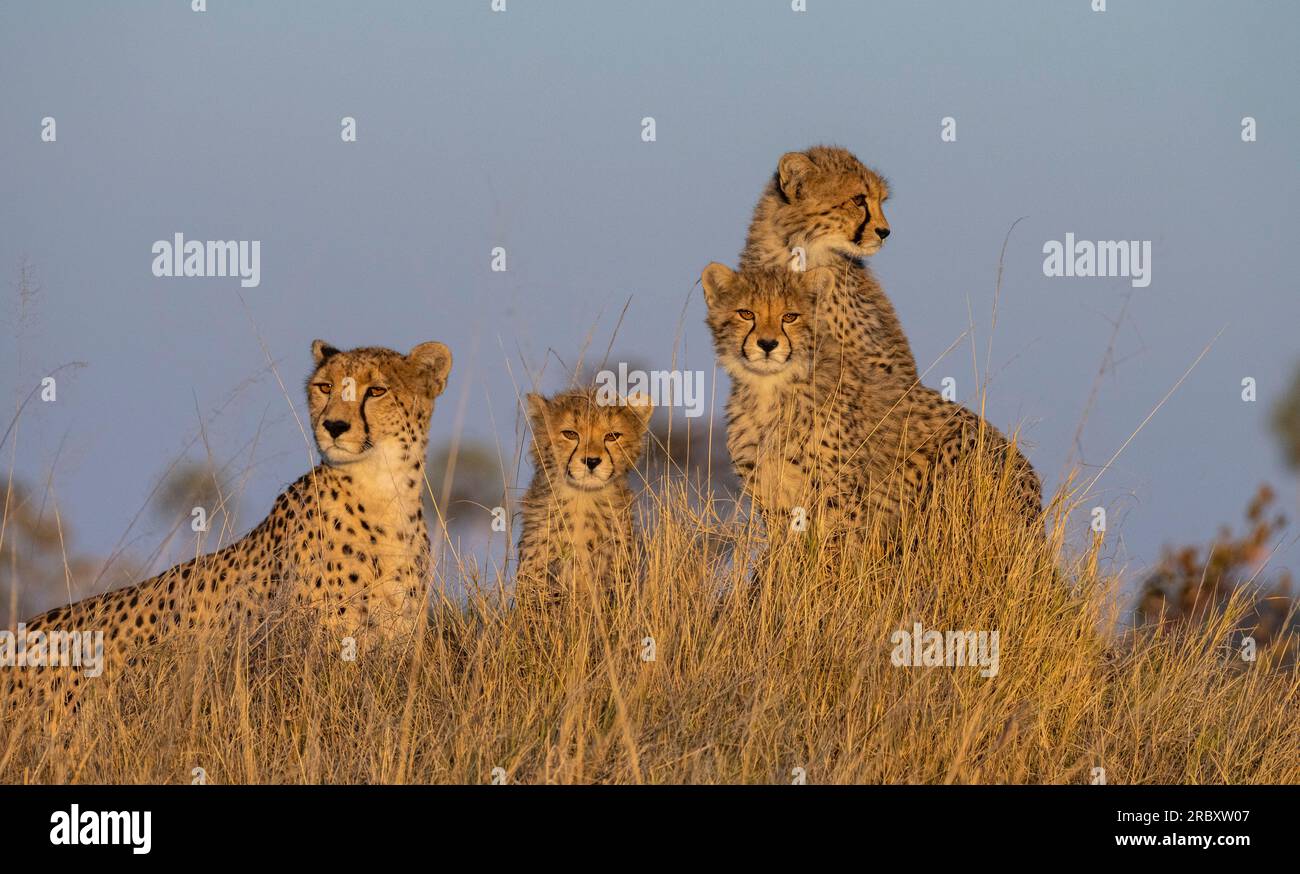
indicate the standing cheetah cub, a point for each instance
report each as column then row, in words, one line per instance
column 348, row 537
column 577, row 511
column 802, row 436
column 828, row 206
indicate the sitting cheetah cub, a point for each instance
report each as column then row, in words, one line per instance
column 577, row 511
column 804, row 438
column 349, row 536
column 829, row 206
column 787, row 428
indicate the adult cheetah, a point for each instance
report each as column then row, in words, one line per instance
column 348, row 537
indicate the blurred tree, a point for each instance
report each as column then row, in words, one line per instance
column 467, row 481
column 195, row 484
column 36, row 568
column 1191, row 583
column 692, row 449
column 1286, row 423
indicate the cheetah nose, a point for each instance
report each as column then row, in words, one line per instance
column 882, row 232
column 335, row 427
column 592, row 463
column 767, row 345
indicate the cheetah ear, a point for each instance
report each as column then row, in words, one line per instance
column 715, row 278
column 535, row 404
column 792, row 172
column 320, row 350
column 818, row 280
column 641, row 406
column 435, row 358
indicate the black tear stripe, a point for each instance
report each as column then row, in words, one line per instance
column 862, row 228
column 745, row 339
column 789, row 342
column 365, row 423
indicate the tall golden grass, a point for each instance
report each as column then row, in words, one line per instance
column 721, row 663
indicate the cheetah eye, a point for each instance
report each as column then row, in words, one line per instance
column 325, row 387
column 747, row 315
column 612, row 436
column 790, row 317
column 569, row 435
column 859, row 200
column 376, row 391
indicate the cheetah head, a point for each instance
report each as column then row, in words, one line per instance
column 828, row 202
column 763, row 320
column 583, row 443
column 373, row 399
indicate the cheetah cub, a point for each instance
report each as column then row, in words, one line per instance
column 827, row 206
column 348, row 537
column 807, row 441
column 578, row 520
column 788, row 431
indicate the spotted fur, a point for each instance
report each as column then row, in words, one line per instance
column 577, row 513
column 830, row 206
column 348, row 537
column 804, row 437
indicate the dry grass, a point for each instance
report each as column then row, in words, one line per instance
column 747, row 683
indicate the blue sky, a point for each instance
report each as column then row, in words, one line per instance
column 522, row 129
